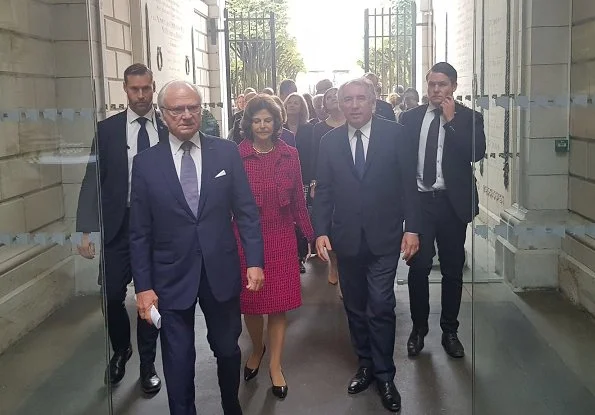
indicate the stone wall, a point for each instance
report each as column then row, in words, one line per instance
column 128, row 38
column 44, row 92
column 117, row 50
column 582, row 127
column 577, row 263
column 551, row 61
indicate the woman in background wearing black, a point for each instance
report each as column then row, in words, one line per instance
column 330, row 103
column 298, row 115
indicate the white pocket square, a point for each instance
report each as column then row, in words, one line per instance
column 220, row 174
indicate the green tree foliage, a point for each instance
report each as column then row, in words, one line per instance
column 392, row 59
column 250, row 58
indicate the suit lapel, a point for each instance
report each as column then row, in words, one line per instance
column 171, row 176
column 120, row 144
column 209, row 163
column 372, row 144
column 162, row 130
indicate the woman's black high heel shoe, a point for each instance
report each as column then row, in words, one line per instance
column 251, row 373
column 279, row 391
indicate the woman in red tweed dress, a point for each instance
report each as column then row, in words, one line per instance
column 274, row 173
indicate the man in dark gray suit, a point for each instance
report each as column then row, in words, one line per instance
column 365, row 191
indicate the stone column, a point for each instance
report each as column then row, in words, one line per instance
column 526, row 253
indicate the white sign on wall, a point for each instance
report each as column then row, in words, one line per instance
column 169, row 39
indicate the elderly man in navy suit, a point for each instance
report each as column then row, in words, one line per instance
column 184, row 193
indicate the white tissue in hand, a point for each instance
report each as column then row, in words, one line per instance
column 155, row 317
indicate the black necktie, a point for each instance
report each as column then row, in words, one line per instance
column 143, row 136
column 429, row 177
column 360, row 158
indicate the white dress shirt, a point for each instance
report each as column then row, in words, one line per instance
column 366, row 131
column 195, row 153
column 423, row 138
column 132, row 129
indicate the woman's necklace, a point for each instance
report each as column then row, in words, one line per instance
column 263, row 152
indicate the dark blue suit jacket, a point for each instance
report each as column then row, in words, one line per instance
column 377, row 204
column 169, row 244
column 109, row 151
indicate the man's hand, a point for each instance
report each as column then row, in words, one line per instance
column 448, row 108
column 86, row 248
column 144, row 301
column 255, row 277
column 323, row 245
column 409, row 245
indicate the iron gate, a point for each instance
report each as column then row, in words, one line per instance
column 389, row 45
column 251, row 52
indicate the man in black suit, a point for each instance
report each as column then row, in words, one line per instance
column 185, row 192
column 449, row 138
column 365, row 190
column 383, row 108
column 119, row 138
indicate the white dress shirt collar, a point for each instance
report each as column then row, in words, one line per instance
column 132, row 116
column 366, row 130
column 176, row 143
column 431, row 107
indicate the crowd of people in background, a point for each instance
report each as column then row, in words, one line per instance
column 306, row 119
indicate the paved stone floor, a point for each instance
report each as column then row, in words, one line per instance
column 526, row 354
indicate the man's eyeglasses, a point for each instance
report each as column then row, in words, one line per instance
column 177, row 111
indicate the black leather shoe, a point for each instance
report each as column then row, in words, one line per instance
column 452, row 345
column 389, row 394
column 251, row 373
column 415, row 344
column 360, row 381
column 279, row 391
column 149, row 381
column 117, row 366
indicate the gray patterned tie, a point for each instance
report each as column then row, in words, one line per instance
column 188, row 177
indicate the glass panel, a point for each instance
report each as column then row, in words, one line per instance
column 53, row 341
column 534, row 257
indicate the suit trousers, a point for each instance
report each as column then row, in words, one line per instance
column 117, row 276
column 224, row 326
column 367, row 283
column 441, row 224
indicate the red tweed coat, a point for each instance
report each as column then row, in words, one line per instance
column 276, row 182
